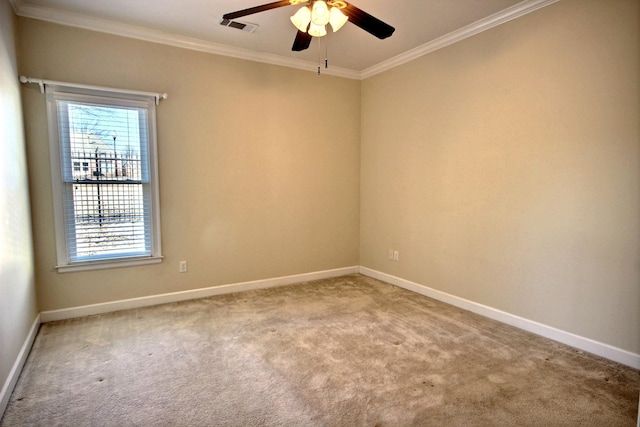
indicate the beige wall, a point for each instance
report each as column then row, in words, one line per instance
column 18, row 309
column 506, row 169
column 258, row 164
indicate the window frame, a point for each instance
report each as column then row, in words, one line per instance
column 105, row 97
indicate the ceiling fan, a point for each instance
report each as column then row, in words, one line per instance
column 311, row 19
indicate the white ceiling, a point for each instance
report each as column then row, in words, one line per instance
column 421, row 26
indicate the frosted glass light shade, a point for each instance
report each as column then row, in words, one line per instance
column 337, row 19
column 302, row 18
column 317, row 30
column 320, row 13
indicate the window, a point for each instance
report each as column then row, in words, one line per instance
column 105, row 185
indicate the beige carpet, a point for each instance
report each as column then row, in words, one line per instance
column 350, row 351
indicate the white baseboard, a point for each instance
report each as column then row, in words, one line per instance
column 14, row 374
column 88, row 310
column 586, row 344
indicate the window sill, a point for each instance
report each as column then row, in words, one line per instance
column 101, row 265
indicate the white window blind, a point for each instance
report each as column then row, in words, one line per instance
column 104, row 167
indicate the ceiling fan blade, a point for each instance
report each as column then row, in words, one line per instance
column 256, row 9
column 367, row 22
column 302, row 41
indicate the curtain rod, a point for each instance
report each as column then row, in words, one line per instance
column 43, row 83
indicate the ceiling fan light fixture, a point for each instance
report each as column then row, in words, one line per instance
column 302, row 18
column 320, row 13
column 317, row 30
column 337, row 19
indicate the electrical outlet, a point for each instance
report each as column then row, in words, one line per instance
column 183, row 266
column 390, row 253
column 396, row 255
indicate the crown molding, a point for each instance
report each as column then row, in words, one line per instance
column 146, row 34
column 513, row 12
column 16, row 4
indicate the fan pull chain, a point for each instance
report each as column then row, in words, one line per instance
column 326, row 54
column 318, row 55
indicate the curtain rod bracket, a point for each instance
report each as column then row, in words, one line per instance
column 40, row 83
column 161, row 96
